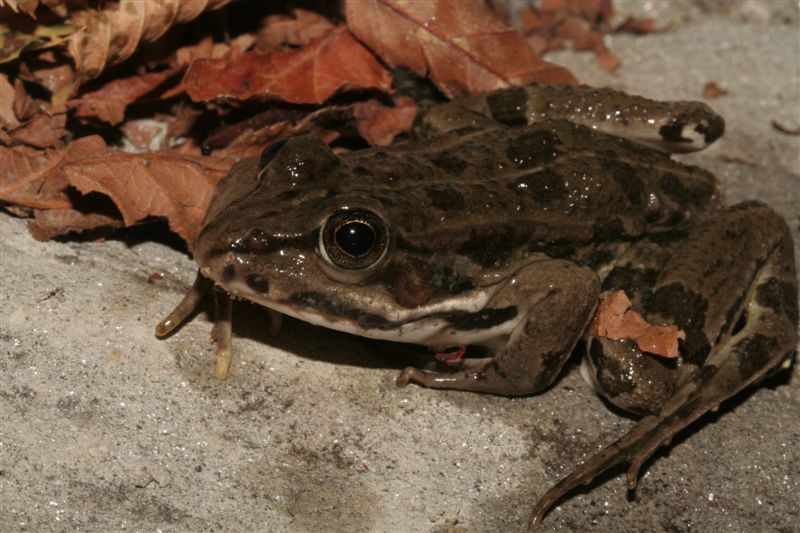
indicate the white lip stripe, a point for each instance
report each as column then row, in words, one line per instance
column 416, row 326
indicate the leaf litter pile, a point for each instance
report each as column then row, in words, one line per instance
column 116, row 113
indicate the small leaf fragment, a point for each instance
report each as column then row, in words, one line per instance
column 614, row 319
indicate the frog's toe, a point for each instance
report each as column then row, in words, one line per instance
column 185, row 307
column 470, row 374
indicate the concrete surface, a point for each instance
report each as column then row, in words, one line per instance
column 106, row 428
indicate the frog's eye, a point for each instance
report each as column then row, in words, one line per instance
column 353, row 239
column 270, row 152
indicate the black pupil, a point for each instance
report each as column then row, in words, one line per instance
column 355, row 238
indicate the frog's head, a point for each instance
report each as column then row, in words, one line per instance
column 294, row 233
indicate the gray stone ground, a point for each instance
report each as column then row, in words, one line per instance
column 106, row 428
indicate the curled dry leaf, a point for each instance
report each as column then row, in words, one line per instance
column 52, row 223
column 13, row 42
column 307, row 75
column 109, row 36
column 614, row 319
column 378, row 124
column 8, row 118
column 110, row 101
column 463, row 46
column 174, row 186
column 46, row 130
column 300, row 29
column 35, row 178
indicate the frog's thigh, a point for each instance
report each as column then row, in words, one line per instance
column 555, row 300
column 732, row 287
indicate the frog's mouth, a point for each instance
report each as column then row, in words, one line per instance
column 468, row 319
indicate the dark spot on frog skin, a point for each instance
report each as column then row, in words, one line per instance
column 533, row 149
column 598, row 258
column 676, row 188
column 451, row 163
column 288, row 195
column 445, row 198
column 687, row 310
column 672, row 133
column 488, row 246
column 361, row 171
column 544, row 186
column 320, row 303
column 636, row 282
column 780, row 297
column 668, row 237
column 627, row 179
column 556, row 250
column 509, row 106
column 258, row 283
column 608, row 229
column 753, row 353
column 485, row 319
column 228, row 273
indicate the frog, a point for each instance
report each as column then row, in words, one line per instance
column 497, row 224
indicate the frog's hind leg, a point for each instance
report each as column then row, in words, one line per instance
column 732, row 287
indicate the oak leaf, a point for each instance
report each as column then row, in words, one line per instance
column 462, row 45
column 178, row 187
column 35, row 178
column 308, row 75
column 110, row 101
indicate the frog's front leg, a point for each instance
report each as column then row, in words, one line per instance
column 554, row 301
column 731, row 286
column 220, row 334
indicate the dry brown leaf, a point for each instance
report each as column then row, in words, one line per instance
column 46, row 130
column 614, row 319
column 109, row 36
column 35, row 178
column 712, row 90
column 460, row 44
column 638, row 26
column 170, row 185
column 110, row 101
column 8, row 118
column 303, row 76
column 300, row 29
column 50, row 71
column 208, row 49
column 379, row 124
column 51, row 223
column 24, row 6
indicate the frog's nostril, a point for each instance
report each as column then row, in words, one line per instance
column 258, row 283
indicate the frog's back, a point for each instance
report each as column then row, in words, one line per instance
column 553, row 182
